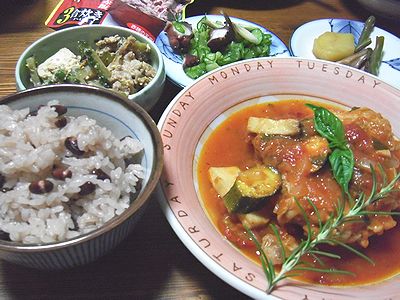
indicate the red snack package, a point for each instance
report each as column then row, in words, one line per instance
column 75, row 12
column 147, row 17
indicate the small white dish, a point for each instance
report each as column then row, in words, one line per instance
column 173, row 61
column 302, row 40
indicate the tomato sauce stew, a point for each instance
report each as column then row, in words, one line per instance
column 298, row 154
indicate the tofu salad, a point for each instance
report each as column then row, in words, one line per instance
column 122, row 64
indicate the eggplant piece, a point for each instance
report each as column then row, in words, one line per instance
column 179, row 36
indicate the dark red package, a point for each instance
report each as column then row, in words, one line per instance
column 135, row 19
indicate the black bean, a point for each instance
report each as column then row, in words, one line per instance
column 101, row 174
column 87, row 188
column 60, row 109
column 5, row 189
column 61, row 122
column 71, row 144
column 2, row 180
column 61, row 173
column 41, row 187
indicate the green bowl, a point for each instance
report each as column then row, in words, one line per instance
column 51, row 43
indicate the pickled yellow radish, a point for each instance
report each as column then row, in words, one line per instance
column 334, row 46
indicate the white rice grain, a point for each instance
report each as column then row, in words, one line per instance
column 30, row 145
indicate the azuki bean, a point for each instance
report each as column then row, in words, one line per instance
column 41, row 187
column 61, row 173
column 101, row 174
column 2, row 180
column 61, row 122
column 71, row 144
column 60, row 109
column 32, row 113
column 87, row 188
column 4, row 236
column 35, row 112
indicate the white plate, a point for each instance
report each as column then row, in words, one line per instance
column 302, row 40
column 173, row 61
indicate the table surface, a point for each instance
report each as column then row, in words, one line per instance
column 151, row 263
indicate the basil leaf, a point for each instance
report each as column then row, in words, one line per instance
column 341, row 159
column 342, row 164
column 329, row 126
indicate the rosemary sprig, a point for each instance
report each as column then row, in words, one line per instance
column 326, row 235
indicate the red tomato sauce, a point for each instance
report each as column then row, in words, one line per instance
column 228, row 146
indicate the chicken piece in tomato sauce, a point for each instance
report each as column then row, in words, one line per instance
column 306, row 176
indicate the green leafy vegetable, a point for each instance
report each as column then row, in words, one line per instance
column 257, row 44
column 329, row 126
column 341, row 159
column 95, row 62
column 32, row 67
column 60, row 75
column 342, row 163
column 178, row 26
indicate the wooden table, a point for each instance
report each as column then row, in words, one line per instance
column 152, row 263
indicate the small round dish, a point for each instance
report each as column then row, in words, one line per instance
column 49, row 44
column 173, row 61
column 194, row 115
column 123, row 118
column 302, row 40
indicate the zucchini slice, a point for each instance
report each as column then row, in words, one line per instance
column 252, row 188
column 270, row 126
column 223, row 178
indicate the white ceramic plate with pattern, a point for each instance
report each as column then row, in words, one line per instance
column 302, row 40
column 173, row 61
